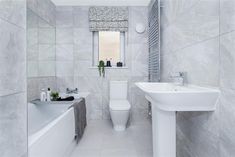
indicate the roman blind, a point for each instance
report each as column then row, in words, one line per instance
column 108, row 19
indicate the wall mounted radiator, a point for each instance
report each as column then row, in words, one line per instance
column 154, row 43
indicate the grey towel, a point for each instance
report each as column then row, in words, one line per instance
column 80, row 118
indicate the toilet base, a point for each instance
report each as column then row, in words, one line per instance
column 119, row 128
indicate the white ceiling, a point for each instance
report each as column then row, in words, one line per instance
column 102, row 2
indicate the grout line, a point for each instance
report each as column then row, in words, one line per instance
column 3, row 19
column 13, row 93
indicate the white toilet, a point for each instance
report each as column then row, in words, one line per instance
column 119, row 106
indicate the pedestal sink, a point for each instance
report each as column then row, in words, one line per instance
column 166, row 99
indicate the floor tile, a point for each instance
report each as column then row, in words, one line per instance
column 100, row 140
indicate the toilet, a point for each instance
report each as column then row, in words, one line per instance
column 119, row 106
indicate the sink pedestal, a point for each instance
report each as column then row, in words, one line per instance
column 166, row 99
column 164, row 132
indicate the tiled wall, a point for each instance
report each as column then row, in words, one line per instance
column 197, row 37
column 227, row 78
column 41, row 52
column 74, row 61
column 13, row 108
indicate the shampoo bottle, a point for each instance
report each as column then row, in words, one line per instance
column 48, row 94
column 43, row 95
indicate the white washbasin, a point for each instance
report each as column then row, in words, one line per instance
column 170, row 97
column 166, row 99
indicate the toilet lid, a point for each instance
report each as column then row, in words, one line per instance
column 119, row 105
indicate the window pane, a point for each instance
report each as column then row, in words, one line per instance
column 109, row 46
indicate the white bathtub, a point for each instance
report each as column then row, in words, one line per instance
column 51, row 129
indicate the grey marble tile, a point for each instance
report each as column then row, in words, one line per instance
column 32, row 36
column 33, row 91
column 227, row 73
column 204, row 55
column 90, row 84
column 12, row 57
column 64, row 82
column 32, row 69
column 83, row 69
column 46, row 36
column 227, row 16
column 95, row 105
column 32, row 19
column 64, row 18
column 64, row 68
column 227, row 127
column 186, row 23
column 83, row 37
column 13, row 123
column 46, row 52
column 200, row 140
column 83, row 52
column 64, row 36
column 64, row 52
column 32, row 4
column 13, row 11
column 80, row 15
column 46, row 68
column 46, row 10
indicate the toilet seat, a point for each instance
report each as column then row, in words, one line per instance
column 119, row 105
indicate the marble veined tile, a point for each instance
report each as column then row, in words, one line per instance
column 64, row 18
column 47, row 52
column 46, row 36
column 13, row 11
column 227, row 16
column 64, row 36
column 188, row 22
column 227, row 127
column 80, row 17
column 227, row 72
column 13, row 123
column 64, row 52
column 12, row 57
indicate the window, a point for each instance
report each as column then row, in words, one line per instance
column 108, row 45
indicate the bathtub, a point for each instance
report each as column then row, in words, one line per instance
column 51, row 129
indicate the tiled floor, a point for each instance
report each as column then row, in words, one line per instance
column 100, row 140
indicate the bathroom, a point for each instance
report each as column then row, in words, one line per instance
column 58, row 44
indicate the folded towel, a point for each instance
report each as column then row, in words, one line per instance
column 80, row 118
column 70, row 98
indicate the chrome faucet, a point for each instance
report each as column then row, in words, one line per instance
column 71, row 91
column 178, row 78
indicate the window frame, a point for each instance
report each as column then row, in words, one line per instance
column 96, row 52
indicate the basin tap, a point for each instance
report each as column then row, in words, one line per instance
column 71, row 91
column 178, row 78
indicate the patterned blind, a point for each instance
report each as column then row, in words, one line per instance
column 108, row 19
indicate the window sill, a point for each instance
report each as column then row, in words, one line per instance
column 114, row 67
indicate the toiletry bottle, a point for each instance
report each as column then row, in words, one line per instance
column 43, row 95
column 49, row 94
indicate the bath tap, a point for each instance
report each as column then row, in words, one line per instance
column 178, row 78
column 71, row 91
